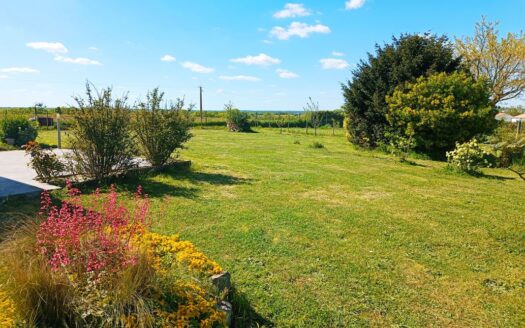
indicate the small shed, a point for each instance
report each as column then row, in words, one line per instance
column 45, row 121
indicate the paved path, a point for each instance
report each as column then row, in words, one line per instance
column 16, row 178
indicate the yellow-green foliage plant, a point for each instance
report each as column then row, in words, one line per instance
column 101, row 267
column 440, row 110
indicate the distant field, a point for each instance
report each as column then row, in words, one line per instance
column 337, row 236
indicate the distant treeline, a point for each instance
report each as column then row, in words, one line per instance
column 292, row 119
column 272, row 119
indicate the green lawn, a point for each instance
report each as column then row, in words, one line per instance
column 344, row 237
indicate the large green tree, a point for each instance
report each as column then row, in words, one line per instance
column 440, row 110
column 404, row 60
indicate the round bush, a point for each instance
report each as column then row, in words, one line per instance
column 19, row 129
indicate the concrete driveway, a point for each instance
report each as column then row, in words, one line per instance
column 17, row 178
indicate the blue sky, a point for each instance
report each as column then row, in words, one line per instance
column 261, row 55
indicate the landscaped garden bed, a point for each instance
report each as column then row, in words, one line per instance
column 99, row 265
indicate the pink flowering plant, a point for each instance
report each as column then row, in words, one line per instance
column 95, row 240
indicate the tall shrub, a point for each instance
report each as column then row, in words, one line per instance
column 100, row 139
column 160, row 131
column 441, row 110
column 404, row 60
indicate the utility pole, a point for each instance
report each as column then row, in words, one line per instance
column 58, row 110
column 200, row 97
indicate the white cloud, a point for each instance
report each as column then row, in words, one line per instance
column 354, row 4
column 281, row 94
column 52, row 47
column 197, row 68
column 337, row 53
column 301, row 30
column 77, row 60
column 286, row 74
column 334, row 63
column 219, row 91
column 3, row 76
column 18, row 70
column 168, row 58
column 239, row 78
column 292, row 10
column 260, row 59
column 93, row 48
column 267, row 41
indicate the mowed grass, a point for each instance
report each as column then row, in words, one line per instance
column 344, row 237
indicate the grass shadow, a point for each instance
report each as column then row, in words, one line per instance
column 158, row 189
column 244, row 315
column 491, row 176
column 209, row 178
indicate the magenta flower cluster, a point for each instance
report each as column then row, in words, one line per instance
column 97, row 239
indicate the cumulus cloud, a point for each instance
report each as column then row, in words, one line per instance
column 197, row 68
column 337, row 54
column 239, row 78
column 168, row 58
column 334, row 63
column 292, row 10
column 286, row 74
column 18, row 70
column 301, row 30
column 260, row 59
column 93, row 48
column 354, row 4
column 77, row 60
column 51, row 47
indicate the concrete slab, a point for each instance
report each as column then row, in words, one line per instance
column 17, row 178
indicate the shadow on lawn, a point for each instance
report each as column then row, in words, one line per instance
column 244, row 315
column 210, row 178
column 157, row 189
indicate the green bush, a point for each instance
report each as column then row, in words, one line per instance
column 468, row 157
column 161, row 131
column 441, row 110
column 404, row 60
column 45, row 162
column 19, row 129
column 236, row 120
column 101, row 139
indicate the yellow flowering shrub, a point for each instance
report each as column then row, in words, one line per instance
column 184, row 252
column 7, row 310
column 185, row 303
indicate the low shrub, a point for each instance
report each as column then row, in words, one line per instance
column 45, row 162
column 468, row 157
column 101, row 267
column 236, row 120
column 400, row 146
column 160, row 131
column 19, row 129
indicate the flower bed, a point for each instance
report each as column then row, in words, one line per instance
column 102, row 267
